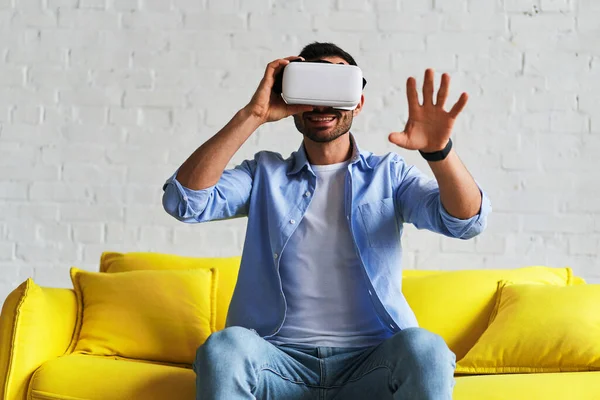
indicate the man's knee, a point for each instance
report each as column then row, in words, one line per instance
column 425, row 365
column 422, row 345
column 232, row 342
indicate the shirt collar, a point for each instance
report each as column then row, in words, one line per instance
column 300, row 159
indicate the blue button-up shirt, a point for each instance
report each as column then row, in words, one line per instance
column 382, row 193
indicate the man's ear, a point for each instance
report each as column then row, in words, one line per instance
column 359, row 107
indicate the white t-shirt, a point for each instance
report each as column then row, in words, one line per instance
column 325, row 289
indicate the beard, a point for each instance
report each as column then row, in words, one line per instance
column 324, row 133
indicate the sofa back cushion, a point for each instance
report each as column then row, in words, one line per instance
column 453, row 304
column 227, row 268
column 161, row 316
column 537, row 329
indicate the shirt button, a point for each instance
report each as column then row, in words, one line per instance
column 275, row 255
column 184, row 197
column 391, row 326
column 306, row 194
column 370, row 294
column 292, row 221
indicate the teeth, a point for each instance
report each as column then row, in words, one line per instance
column 321, row 119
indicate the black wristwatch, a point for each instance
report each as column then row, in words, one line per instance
column 438, row 155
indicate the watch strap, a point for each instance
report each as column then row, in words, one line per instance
column 438, row 155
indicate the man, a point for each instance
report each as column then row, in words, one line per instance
column 318, row 312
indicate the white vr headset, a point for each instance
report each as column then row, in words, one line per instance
column 320, row 83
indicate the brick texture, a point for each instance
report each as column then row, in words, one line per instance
column 100, row 101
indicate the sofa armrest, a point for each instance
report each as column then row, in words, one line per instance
column 36, row 325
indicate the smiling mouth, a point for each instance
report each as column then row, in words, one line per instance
column 321, row 119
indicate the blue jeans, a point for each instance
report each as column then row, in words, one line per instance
column 237, row 364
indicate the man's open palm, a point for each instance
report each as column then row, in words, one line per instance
column 429, row 126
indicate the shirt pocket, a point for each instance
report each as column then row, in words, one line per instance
column 379, row 223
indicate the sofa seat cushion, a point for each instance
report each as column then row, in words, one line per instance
column 100, row 378
column 555, row 386
column 94, row 378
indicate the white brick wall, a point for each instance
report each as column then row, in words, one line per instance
column 100, row 101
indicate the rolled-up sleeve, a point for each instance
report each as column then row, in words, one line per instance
column 182, row 203
column 227, row 199
column 467, row 228
column 418, row 202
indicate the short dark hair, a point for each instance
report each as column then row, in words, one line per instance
column 317, row 50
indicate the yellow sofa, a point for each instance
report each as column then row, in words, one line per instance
column 38, row 327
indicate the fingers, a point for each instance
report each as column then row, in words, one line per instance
column 272, row 68
column 428, row 87
column 281, row 62
column 295, row 109
column 443, row 92
column 412, row 95
column 275, row 66
column 459, row 106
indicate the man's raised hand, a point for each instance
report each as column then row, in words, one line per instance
column 429, row 126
